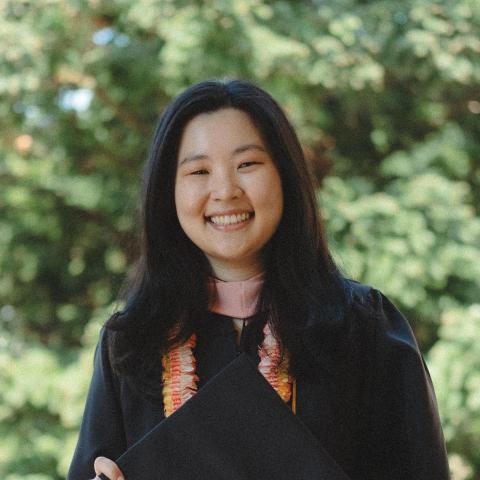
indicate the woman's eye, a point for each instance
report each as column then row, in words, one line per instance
column 247, row 164
column 199, row 172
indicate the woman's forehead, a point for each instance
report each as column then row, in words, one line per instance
column 226, row 130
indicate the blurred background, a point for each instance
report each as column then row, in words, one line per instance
column 385, row 96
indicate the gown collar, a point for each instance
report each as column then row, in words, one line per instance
column 236, row 299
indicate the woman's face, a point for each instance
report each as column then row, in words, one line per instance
column 228, row 191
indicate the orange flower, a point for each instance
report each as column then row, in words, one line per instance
column 180, row 379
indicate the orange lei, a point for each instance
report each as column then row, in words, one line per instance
column 180, row 379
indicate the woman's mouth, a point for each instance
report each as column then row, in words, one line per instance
column 224, row 220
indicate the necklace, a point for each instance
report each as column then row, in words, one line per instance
column 180, row 379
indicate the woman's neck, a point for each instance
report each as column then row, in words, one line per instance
column 235, row 273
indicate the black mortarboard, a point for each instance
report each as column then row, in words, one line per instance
column 235, row 428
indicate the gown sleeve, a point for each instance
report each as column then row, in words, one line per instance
column 404, row 435
column 101, row 432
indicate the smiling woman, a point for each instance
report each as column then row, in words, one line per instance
column 238, row 311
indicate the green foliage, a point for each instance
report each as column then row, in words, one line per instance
column 419, row 237
column 41, row 403
column 455, row 365
column 384, row 96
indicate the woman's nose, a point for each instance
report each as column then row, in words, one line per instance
column 225, row 186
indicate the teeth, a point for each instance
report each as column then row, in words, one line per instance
column 230, row 219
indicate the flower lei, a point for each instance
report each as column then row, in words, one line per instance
column 180, row 378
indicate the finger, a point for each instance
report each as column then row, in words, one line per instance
column 107, row 467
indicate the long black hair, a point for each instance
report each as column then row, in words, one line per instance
column 168, row 293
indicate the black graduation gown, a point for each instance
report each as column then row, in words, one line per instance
column 368, row 412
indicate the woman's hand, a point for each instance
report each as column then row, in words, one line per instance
column 107, row 467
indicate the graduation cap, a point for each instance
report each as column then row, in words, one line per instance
column 235, row 428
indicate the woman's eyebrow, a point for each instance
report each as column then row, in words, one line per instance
column 248, row 146
column 192, row 158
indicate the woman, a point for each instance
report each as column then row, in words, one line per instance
column 234, row 261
